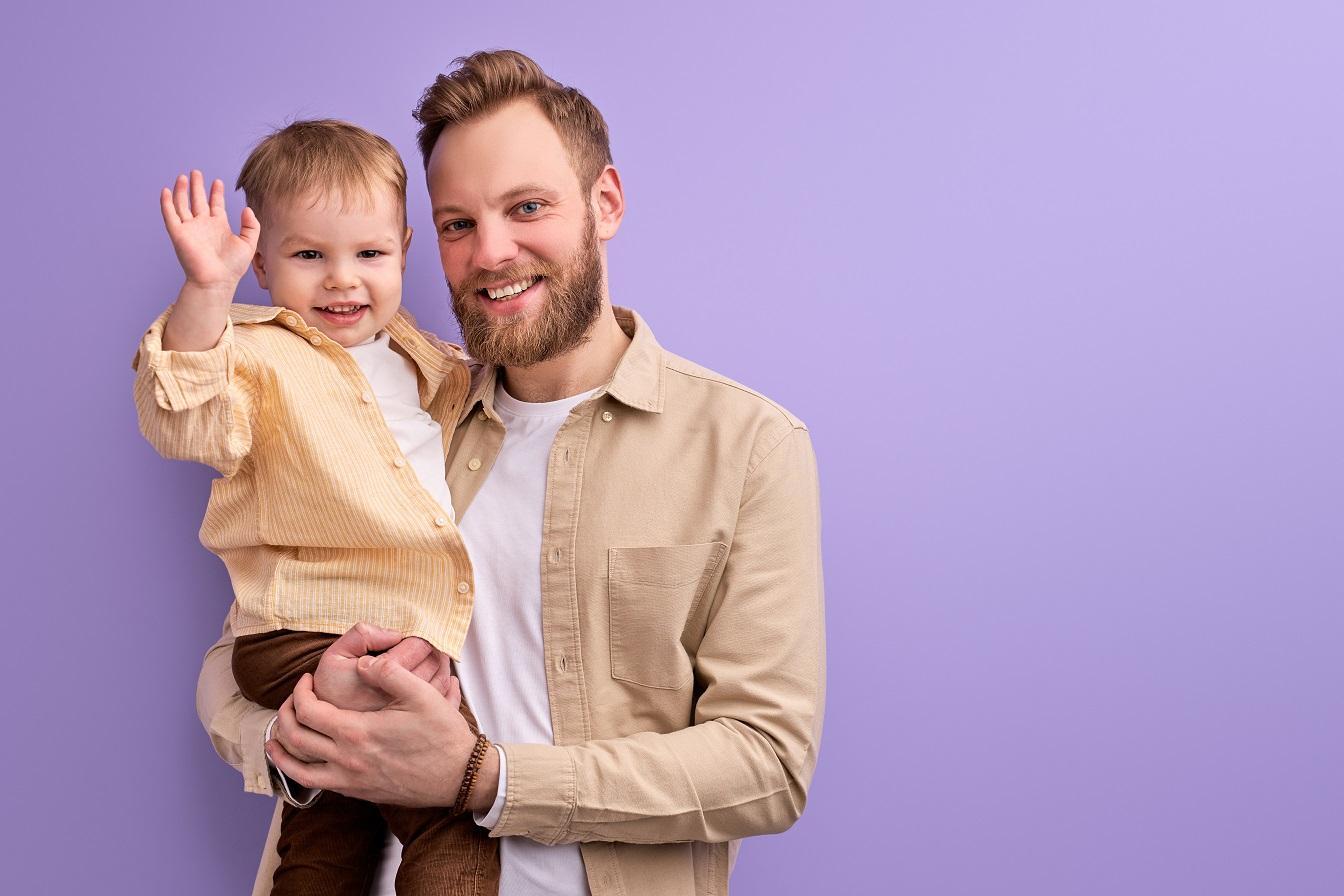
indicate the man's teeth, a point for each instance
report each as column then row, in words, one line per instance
column 511, row 290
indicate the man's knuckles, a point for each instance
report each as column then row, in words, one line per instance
column 305, row 712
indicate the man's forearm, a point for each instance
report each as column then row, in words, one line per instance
column 236, row 726
column 712, row 782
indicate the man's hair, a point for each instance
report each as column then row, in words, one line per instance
column 322, row 156
column 487, row 80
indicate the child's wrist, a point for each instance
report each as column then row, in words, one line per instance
column 217, row 293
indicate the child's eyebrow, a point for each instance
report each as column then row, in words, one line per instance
column 299, row 239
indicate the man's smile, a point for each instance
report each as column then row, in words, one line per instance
column 508, row 291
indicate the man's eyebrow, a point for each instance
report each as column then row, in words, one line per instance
column 515, row 193
column 526, row 190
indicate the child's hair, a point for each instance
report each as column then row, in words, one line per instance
column 486, row 80
column 323, row 156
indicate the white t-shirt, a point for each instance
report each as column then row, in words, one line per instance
column 392, row 379
column 503, row 668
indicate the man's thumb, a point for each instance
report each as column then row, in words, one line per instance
column 394, row 679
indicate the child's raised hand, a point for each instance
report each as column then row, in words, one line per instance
column 212, row 255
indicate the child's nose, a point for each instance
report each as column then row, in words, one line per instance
column 340, row 277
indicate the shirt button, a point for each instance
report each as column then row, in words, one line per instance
column 482, row 416
column 440, row 520
column 316, row 340
column 606, row 416
column 292, row 320
column 399, row 462
column 463, row 587
column 474, row 464
column 262, row 781
column 366, row 398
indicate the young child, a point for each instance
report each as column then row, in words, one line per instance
column 328, row 416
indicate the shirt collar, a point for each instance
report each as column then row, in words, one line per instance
column 637, row 381
column 431, row 363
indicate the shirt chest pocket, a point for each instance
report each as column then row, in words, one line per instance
column 652, row 593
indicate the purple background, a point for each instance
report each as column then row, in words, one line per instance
column 1054, row 285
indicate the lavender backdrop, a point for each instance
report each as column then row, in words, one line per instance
column 1055, row 284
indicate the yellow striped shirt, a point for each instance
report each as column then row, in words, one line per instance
column 318, row 517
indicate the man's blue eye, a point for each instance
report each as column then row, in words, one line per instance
column 456, row 226
column 530, row 208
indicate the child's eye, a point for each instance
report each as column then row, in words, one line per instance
column 308, row 254
column 370, row 253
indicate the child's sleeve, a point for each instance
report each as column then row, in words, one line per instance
column 195, row 405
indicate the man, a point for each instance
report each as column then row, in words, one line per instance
column 647, row 647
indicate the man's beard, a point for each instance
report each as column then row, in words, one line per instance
column 573, row 302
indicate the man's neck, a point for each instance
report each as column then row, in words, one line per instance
column 581, row 369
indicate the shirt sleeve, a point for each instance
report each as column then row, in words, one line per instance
column 743, row 768
column 194, row 405
column 237, row 727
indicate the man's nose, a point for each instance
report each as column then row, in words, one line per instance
column 493, row 247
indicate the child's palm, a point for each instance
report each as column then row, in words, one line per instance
column 209, row 251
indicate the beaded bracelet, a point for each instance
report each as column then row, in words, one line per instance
column 469, row 776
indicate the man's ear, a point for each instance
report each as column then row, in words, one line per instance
column 259, row 268
column 608, row 201
column 406, row 246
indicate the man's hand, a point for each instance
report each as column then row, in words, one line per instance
column 213, row 257
column 339, row 683
column 413, row 752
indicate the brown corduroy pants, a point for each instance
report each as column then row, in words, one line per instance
column 333, row 847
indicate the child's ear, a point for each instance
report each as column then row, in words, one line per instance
column 406, row 245
column 259, row 268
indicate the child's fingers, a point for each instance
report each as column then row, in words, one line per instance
column 217, row 197
column 170, row 218
column 180, row 198
column 251, row 228
column 199, row 205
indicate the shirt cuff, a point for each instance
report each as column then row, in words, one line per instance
column 256, row 766
column 541, row 794
column 491, row 818
column 184, row 380
column 288, row 790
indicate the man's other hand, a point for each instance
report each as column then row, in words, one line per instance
column 339, row 683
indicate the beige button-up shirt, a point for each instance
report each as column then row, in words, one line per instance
column 682, row 621
column 318, row 517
